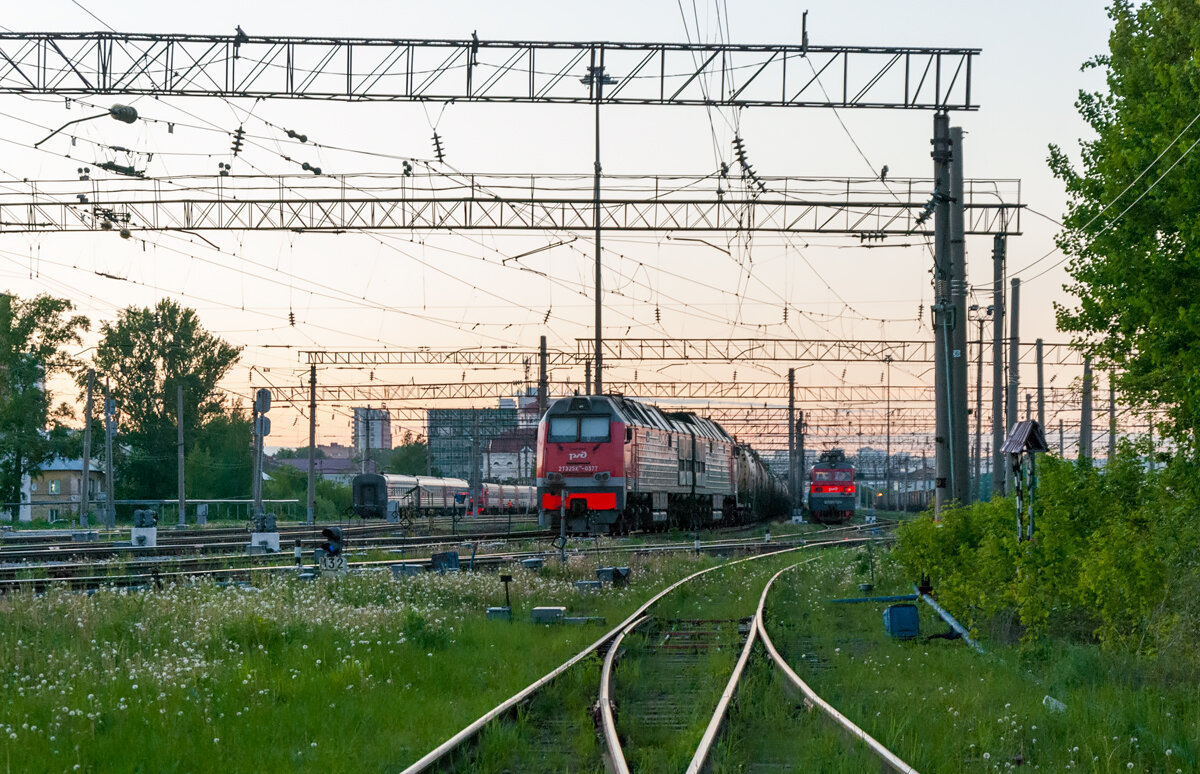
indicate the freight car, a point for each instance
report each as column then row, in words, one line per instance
column 380, row 496
column 611, row 465
column 831, row 494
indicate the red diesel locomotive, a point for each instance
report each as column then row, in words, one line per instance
column 622, row 465
column 831, row 494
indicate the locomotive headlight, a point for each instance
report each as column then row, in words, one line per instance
column 602, row 477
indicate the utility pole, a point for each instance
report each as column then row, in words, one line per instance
column 977, row 486
column 1112, row 419
column 997, row 464
column 1062, row 445
column 960, row 470
column 1014, row 360
column 887, row 458
column 110, row 411
column 1028, row 406
column 182, row 522
column 942, row 311
column 801, row 481
column 1085, row 415
column 311, row 510
column 793, row 484
column 1041, row 388
column 596, row 79
column 85, row 505
column 587, row 378
column 475, row 464
column 543, row 381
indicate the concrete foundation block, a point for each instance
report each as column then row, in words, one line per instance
column 585, row 586
column 269, row 541
column 533, row 564
column 548, row 615
column 144, row 537
column 407, row 570
column 499, row 613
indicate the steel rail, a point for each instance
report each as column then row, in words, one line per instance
column 699, row 761
column 467, row 733
column 886, row 757
column 614, row 754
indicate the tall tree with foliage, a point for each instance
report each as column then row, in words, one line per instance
column 1133, row 220
column 146, row 354
column 34, row 334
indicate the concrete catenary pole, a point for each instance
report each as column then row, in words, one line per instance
column 793, row 490
column 959, row 420
column 998, row 250
column 1085, row 414
column 1112, row 419
column 942, row 311
column 1014, row 362
column 977, row 481
column 85, row 504
column 310, row 512
column 543, row 380
column 182, row 522
column 1041, row 388
column 110, row 410
column 801, row 477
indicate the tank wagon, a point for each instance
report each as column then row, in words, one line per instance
column 831, row 493
column 610, row 465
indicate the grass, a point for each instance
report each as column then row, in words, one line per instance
column 944, row 708
column 364, row 672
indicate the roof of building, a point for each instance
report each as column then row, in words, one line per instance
column 61, row 464
column 514, row 440
column 323, row 465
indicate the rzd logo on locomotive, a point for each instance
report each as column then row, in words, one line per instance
column 577, row 456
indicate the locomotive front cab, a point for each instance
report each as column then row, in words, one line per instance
column 581, row 458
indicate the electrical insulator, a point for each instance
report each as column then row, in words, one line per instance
column 239, row 136
column 657, row 314
column 291, row 318
column 785, row 313
column 437, row 147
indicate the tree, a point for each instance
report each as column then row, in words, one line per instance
column 146, row 354
column 1132, row 227
column 299, row 453
column 33, row 337
column 409, row 458
column 219, row 463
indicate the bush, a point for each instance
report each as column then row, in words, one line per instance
column 1114, row 558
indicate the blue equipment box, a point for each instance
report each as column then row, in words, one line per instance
column 902, row 621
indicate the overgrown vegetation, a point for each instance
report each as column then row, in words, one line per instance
column 1115, row 559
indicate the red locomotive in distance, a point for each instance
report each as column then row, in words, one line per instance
column 832, row 494
column 623, row 465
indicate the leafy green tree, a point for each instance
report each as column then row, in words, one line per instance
column 219, row 464
column 287, row 483
column 33, row 336
column 1133, row 223
column 409, row 458
column 146, row 354
column 299, row 453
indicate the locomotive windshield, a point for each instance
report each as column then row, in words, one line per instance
column 587, row 429
column 843, row 475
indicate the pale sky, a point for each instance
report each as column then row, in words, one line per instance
column 364, row 290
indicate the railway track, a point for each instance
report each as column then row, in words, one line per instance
column 241, row 567
column 682, row 642
column 227, row 540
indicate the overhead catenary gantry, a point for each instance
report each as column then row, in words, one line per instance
column 363, row 69
column 862, row 207
column 475, row 70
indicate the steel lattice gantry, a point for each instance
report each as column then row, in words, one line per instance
column 410, row 70
column 793, row 350
column 864, row 207
column 498, row 356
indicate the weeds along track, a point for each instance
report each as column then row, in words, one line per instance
column 139, row 571
column 549, row 724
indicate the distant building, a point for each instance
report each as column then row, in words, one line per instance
column 56, row 492
column 452, row 432
column 372, row 430
column 510, row 456
column 336, row 451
